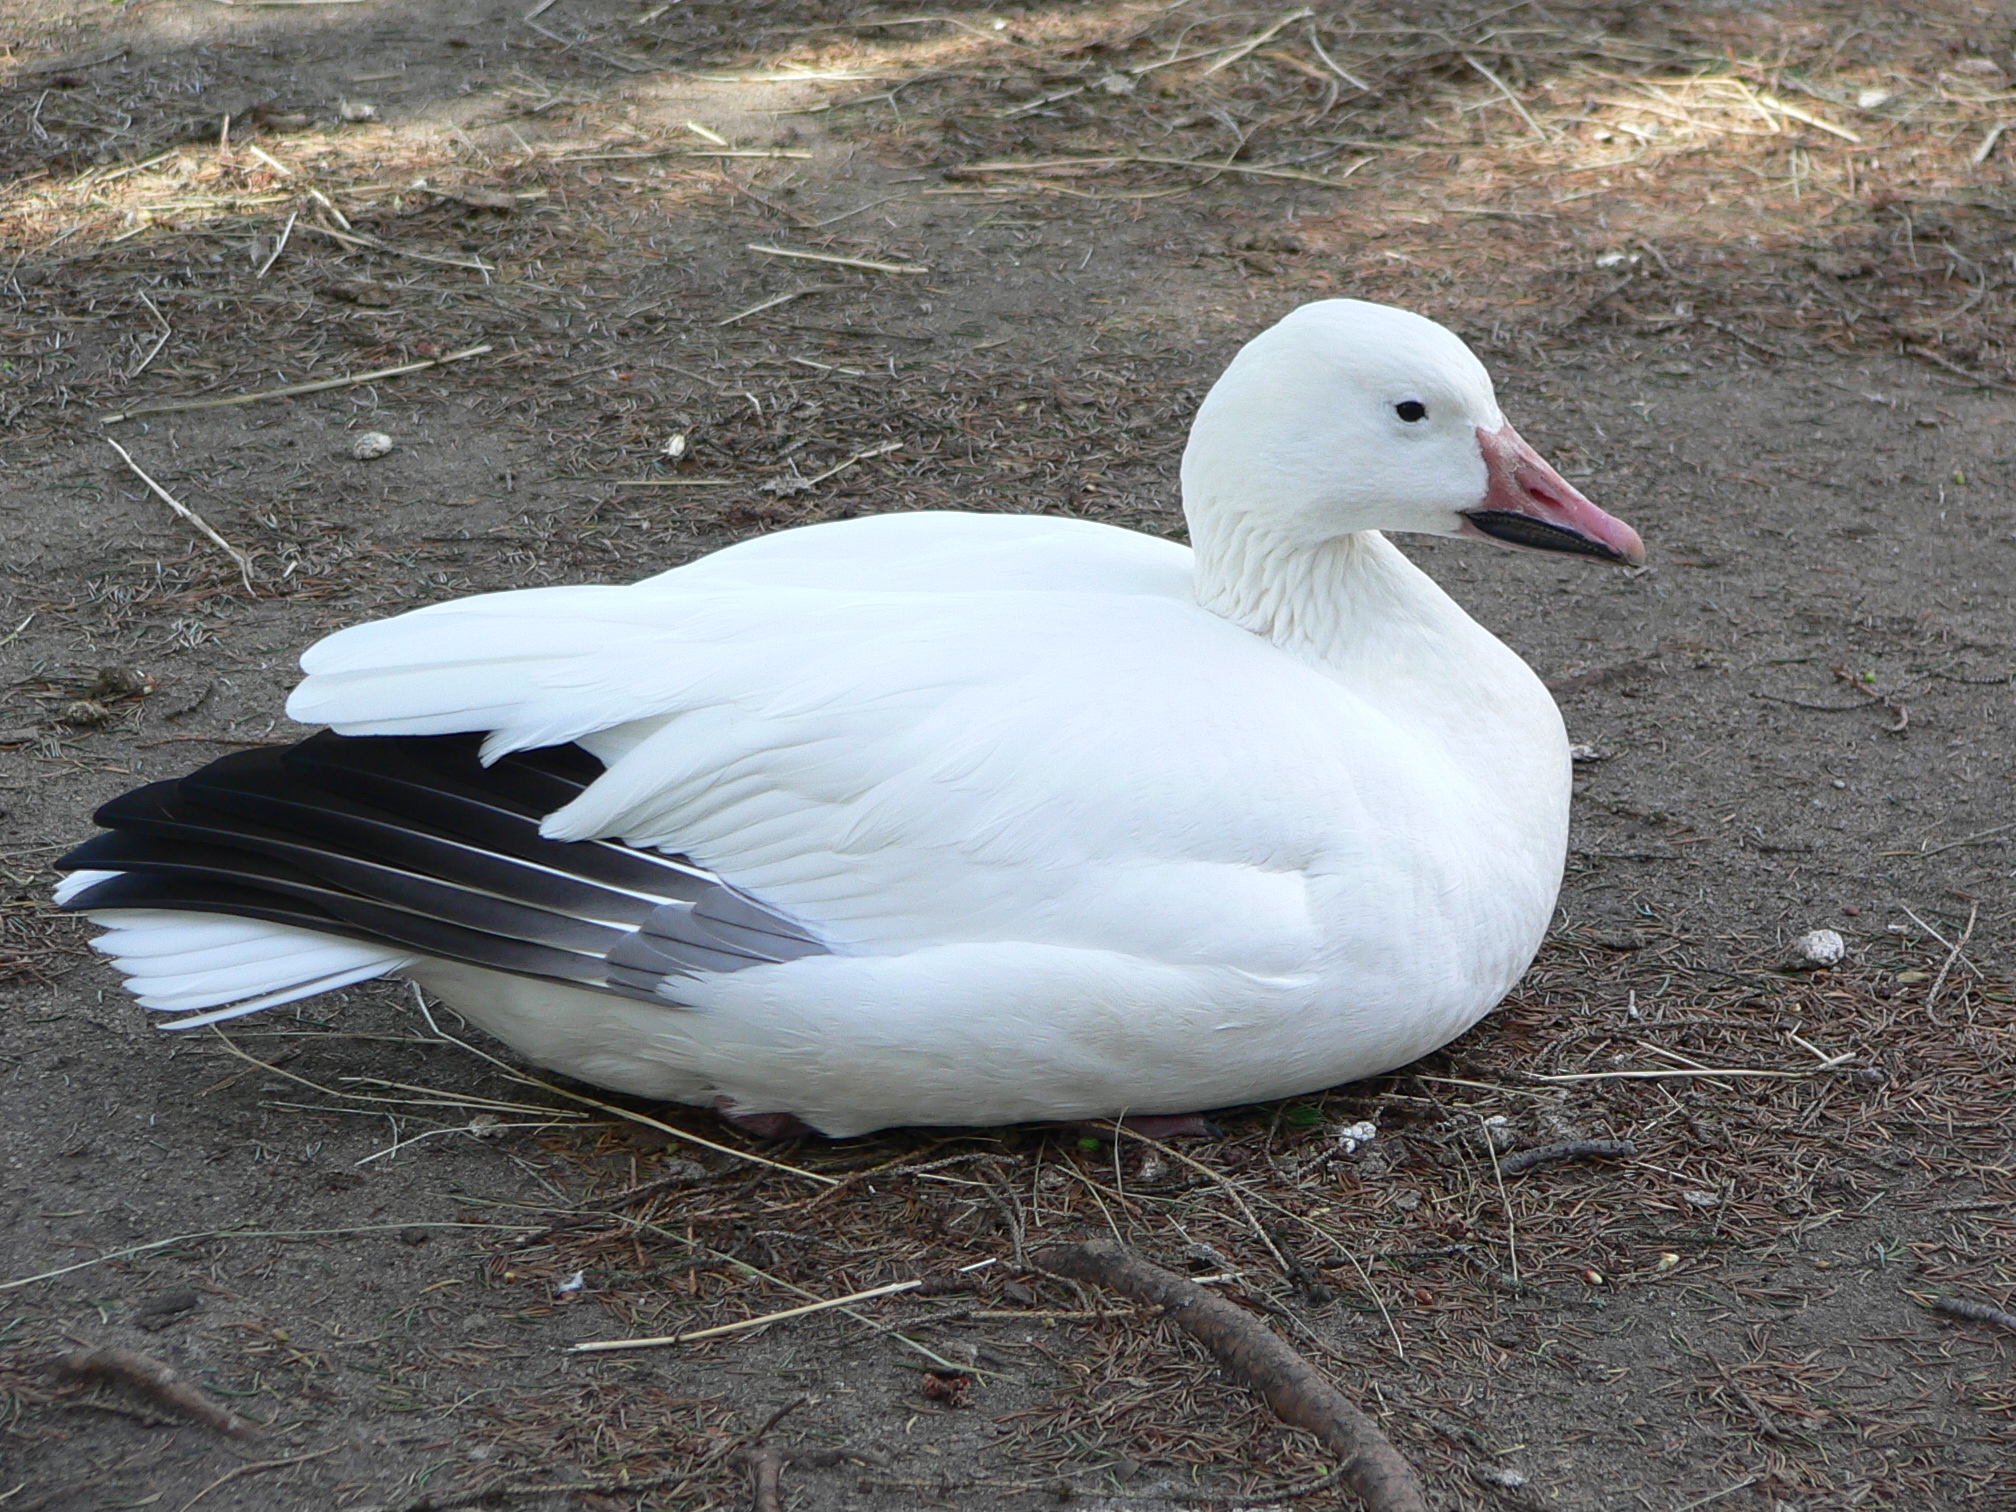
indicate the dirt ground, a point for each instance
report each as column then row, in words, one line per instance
column 1744, row 273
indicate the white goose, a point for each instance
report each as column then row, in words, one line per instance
column 936, row 818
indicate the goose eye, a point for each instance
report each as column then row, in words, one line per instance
column 1411, row 410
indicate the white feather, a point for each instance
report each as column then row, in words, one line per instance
column 175, row 962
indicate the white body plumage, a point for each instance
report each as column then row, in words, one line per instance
column 1087, row 824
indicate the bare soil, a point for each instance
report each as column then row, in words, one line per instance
column 1743, row 273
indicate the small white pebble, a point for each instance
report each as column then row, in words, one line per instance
column 370, row 446
column 1351, row 1136
column 1870, row 99
column 571, row 1285
column 1508, row 1480
column 675, row 447
column 1580, row 754
column 1701, row 1199
column 1820, row 947
column 357, row 110
column 1116, row 83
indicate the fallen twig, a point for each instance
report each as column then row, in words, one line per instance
column 179, row 1239
column 279, row 246
column 1504, row 1201
column 1953, row 367
column 1939, row 982
column 1574, row 1149
column 1224, row 1183
column 1974, row 1312
column 1510, row 98
column 1856, row 685
column 1239, row 50
column 1119, row 159
column 167, row 332
column 836, row 260
column 787, row 486
column 1975, row 838
column 244, row 563
column 776, row 300
column 608, row 1346
column 348, row 380
column 1256, row 1356
column 1663, row 1075
column 159, row 1384
column 484, row 1496
column 253, row 1466
column 359, row 239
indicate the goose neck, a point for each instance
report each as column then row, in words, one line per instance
column 1315, row 600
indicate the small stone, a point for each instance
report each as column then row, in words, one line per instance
column 1819, row 948
column 164, row 1308
column 120, row 682
column 1505, row 1480
column 358, row 291
column 1351, row 1136
column 1872, row 99
column 414, row 1235
column 674, row 448
column 354, row 111
column 1582, row 755
column 1497, row 1132
column 1118, row 83
column 85, row 713
column 481, row 199
column 370, row 446
column 1701, row 1199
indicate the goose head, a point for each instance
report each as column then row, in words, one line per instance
column 1348, row 416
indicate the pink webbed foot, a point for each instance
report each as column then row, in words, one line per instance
column 763, row 1125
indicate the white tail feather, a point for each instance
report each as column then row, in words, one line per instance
column 175, row 962
column 286, row 995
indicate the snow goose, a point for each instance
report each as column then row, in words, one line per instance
column 935, row 818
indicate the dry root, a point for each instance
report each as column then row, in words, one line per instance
column 1255, row 1356
column 158, row 1383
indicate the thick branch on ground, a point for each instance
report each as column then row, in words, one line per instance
column 1974, row 1312
column 1257, row 1358
column 766, row 1472
column 158, row 1383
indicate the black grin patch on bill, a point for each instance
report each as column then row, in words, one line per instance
column 1538, row 535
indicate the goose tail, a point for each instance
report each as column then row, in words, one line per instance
column 207, row 968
